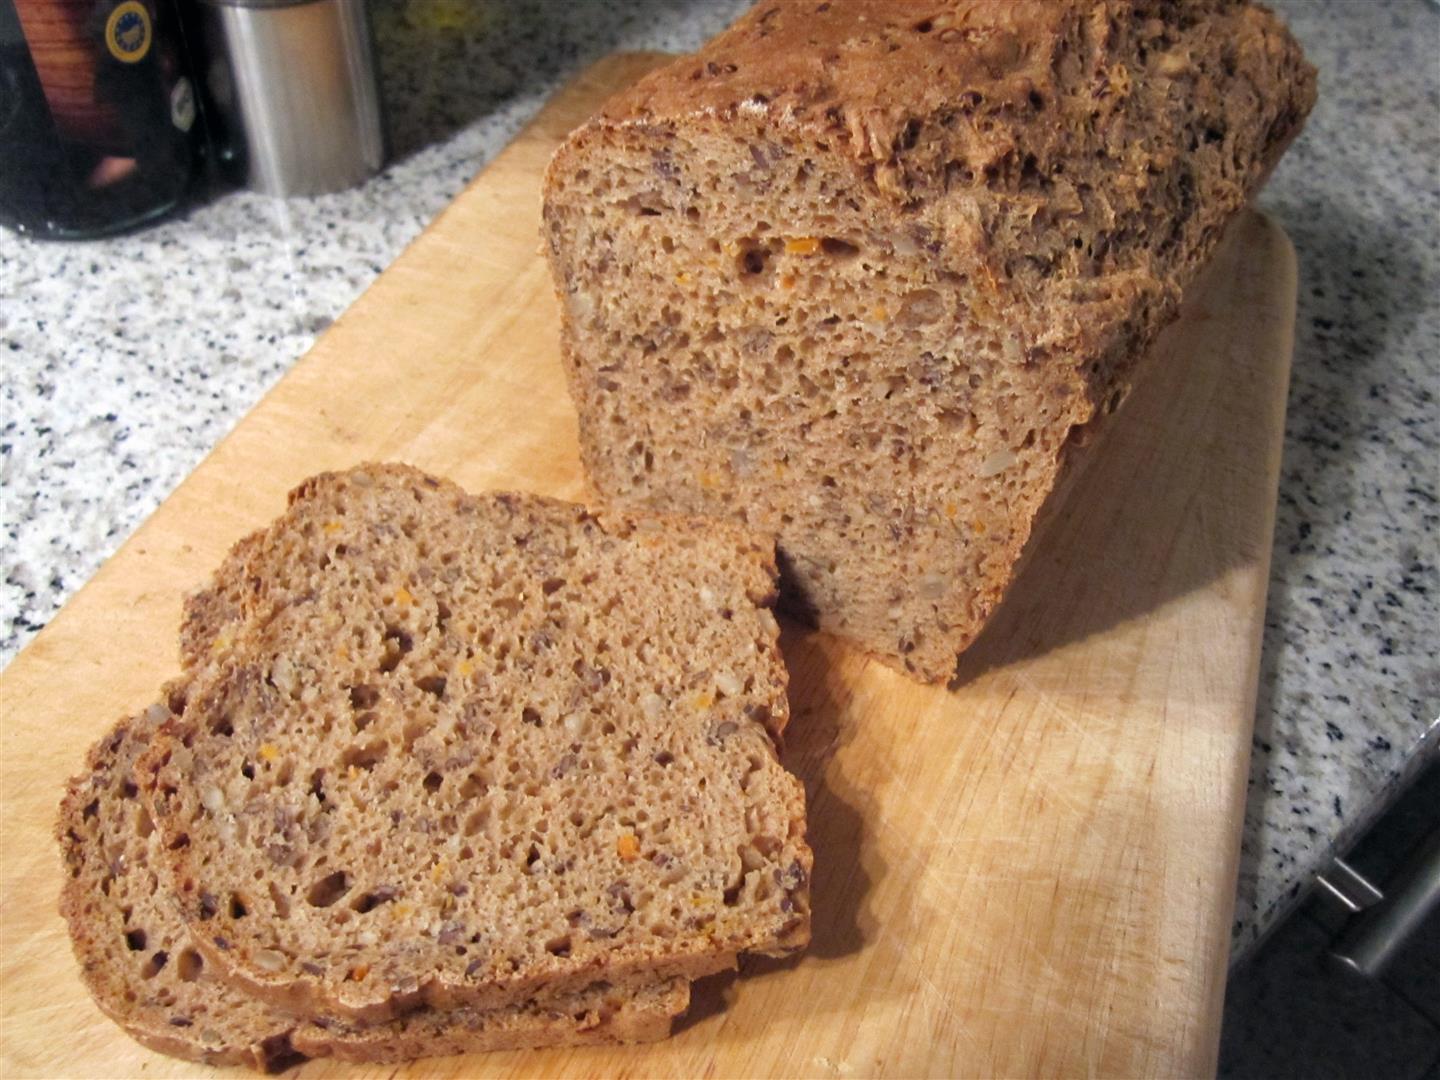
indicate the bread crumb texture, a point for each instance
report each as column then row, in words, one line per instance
column 863, row 274
column 439, row 749
column 144, row 972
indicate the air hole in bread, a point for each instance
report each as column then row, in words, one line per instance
column 432, row 781
column 364, row 696
column 558, row 946
column 328, row 889
column 135, row 940
column 222, row 726
column 432, row 684
column 366, row 755
column 370, row 900
column 152, row 966
column 239, row 906
column 530, row 716
column 396, row 642
column 473, row 786
column 188, row 966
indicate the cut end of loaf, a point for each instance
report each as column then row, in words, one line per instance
column 860, row 275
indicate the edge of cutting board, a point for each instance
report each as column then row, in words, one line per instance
column 1031, row 873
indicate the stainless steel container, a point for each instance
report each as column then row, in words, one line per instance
column 298, row 89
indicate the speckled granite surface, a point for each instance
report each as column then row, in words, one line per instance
column 1350, row 680
column 122, row 362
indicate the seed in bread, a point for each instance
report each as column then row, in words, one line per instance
column 863, row 273
column 145, row 974
column 459, row 750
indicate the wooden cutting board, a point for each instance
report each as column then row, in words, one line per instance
column 1029, row 874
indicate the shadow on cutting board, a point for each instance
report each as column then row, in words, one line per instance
column 1164, row 503
column 847, row 863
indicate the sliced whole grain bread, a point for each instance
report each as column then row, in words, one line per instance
column 442, row 750
column 864, row 274
column 143, row 971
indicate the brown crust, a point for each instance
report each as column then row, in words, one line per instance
column 591, row 1019
column 978, row 125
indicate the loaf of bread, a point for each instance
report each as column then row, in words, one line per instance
column 145, row 974
column 441, row 750
column 862, row 274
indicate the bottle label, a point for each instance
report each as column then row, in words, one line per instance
column 128, row 34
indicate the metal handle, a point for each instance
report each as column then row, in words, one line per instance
column 1385, row 924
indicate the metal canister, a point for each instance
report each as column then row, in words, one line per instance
column 295, row 87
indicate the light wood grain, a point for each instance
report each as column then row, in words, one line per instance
column 1029, row 874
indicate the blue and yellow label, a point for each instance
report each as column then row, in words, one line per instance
column 128, row 33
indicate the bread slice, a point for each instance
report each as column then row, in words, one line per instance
column 601, row 1014
column 861, row 274
column 144, row 973
column 456, row 750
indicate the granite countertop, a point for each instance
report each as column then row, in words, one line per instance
column 126, row 360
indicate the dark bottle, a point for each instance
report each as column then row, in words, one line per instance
column 98, row 123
